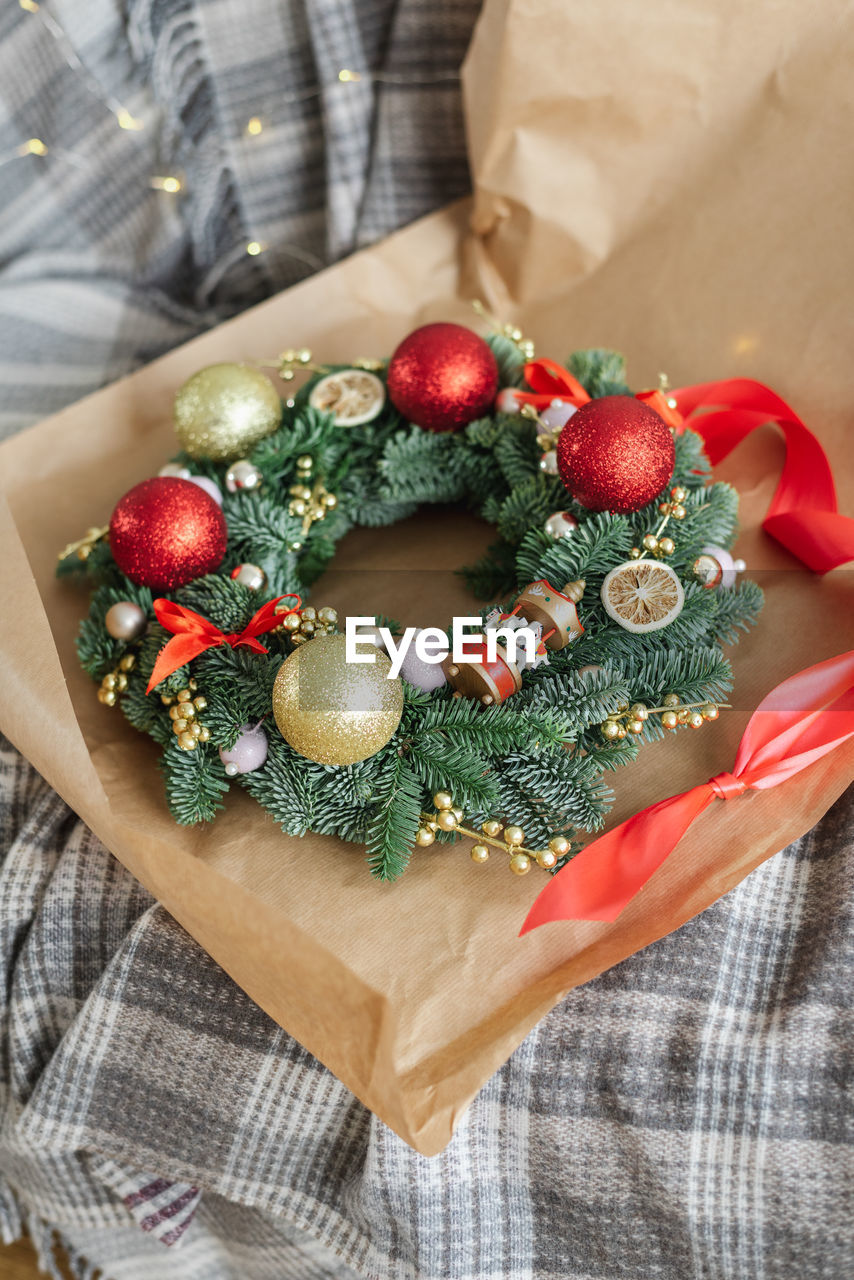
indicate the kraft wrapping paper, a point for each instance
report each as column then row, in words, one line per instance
column 661, row 180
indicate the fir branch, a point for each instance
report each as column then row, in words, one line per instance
column 517, row 452
column 195, row 783
column 417, row 466
column 509, row 358
column 225, row 603
column 596, row 546
column 588, row 697
column 391, row 832
column 441, row 765
column 528, row 506
column 737, row 609
column 691, row 465
column 493, row 730
column 600, row 372
column 285, row 787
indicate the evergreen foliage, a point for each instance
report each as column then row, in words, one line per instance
column 538, row 759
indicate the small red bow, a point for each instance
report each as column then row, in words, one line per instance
column 550, row 381
column 193, row 634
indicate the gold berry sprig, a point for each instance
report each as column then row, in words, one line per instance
column 184, row 708
column 674, row 714
column 509, row 838
column 303, row 624
column 525, row 345
column 653, row 543
column 312, row 501
column 116, row 681
column 84, row 546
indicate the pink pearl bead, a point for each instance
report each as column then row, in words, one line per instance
column 248, row 753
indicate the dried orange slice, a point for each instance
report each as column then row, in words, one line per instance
column 352, row 396
column 642, row 595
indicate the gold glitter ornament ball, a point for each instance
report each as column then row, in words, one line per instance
column 223, row 410
column 334, row 711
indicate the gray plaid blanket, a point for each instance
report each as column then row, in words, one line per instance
column 686, row 1115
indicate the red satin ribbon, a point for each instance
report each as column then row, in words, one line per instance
column 798, row 722
column 803, row 515
column 550, row 381
column 193, row 634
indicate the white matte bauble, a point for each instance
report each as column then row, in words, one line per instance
column 248, row 753
column 125, row 620
column 506, row 401
column 557, row 415
column 370, row 635
column 210, row 487
column 175, row 470
column 423, row 675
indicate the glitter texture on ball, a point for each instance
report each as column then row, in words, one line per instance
column 442, row 376
column 615, row 454
column 165, row 532
column 332, row 711
column 223, row 410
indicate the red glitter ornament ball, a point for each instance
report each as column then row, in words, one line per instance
column 615, row 454
column 165, row 532
column 442, row 376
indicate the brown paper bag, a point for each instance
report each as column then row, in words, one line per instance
column 654, row 180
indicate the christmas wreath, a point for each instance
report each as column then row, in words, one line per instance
column 612, row 553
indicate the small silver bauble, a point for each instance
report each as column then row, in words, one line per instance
column 560, row 524
column 210, row 487
column 249, row 575
column 125, row 620
column 715, row 567
column 548, row 463
column 175, row 469
column 242, row 475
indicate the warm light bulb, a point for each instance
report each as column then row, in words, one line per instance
column 254, row 126
column 29, row 5
column 168, row 183
column 347, row 77
column 127, row 121
column 34, row 147
column 254, row 247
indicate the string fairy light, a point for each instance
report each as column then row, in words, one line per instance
column 173, row 183
column 124, row 118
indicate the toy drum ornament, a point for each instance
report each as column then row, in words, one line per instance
column 556, row 610
column 481, row 679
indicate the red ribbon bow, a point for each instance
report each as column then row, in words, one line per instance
column 550, row 381
column 193, row 634
column 798, row 722
column 803, row 515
